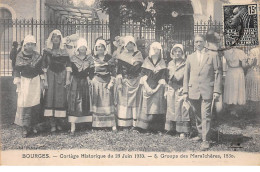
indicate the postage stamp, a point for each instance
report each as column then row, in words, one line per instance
column 240, row 25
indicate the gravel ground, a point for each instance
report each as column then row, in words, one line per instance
column 240, row 135
column 236, row 134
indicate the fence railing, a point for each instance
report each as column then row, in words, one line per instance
column 16, row 30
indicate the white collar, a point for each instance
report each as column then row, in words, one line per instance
column 202, row 51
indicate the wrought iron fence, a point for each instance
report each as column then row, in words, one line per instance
column 16, row 30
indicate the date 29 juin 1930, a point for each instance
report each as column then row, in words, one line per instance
column 129, row 156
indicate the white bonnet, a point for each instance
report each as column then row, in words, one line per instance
column 102, row 42
column 82, row 42
column 155, row 45
column 28, row 39
column 49, row 43
column 128, row 39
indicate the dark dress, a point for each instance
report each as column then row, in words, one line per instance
column 102, row 98
column 152, row 106
column 128, row 89
column 56, row 65
column 78, row 94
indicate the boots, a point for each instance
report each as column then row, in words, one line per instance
column 25, row 132
column 56, row 124
column 59, row 122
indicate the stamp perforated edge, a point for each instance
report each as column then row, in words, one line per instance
column 258, row 24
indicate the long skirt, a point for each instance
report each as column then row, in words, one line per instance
column 78, row 101
column 152, row 110
column 28, row 102
column 177, row 115
column 234, row 89
column 102, row 104
column 253, row 84
column 128, row 99
column 56, row 95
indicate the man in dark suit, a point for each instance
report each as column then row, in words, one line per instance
column 14, row 53
column 202, row 83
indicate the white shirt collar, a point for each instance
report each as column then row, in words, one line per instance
column 202, row 51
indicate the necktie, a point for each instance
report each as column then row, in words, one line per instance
column 200, row 57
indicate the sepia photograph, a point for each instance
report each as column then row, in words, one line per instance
column 130, row 82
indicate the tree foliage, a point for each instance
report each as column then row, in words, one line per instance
column 135, row 10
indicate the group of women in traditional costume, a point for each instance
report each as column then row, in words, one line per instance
column 125, row 90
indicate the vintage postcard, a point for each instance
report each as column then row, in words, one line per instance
column 138, row 82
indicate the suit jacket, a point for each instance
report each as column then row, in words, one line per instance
column 205, row 79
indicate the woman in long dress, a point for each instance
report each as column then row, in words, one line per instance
column 78, row 95
column 102, row 88
column 152, row 106
column 234, row 87
column 28, row 74
column 128, row 88
column 253, row 80
column 57, row 69
column 177, row 115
